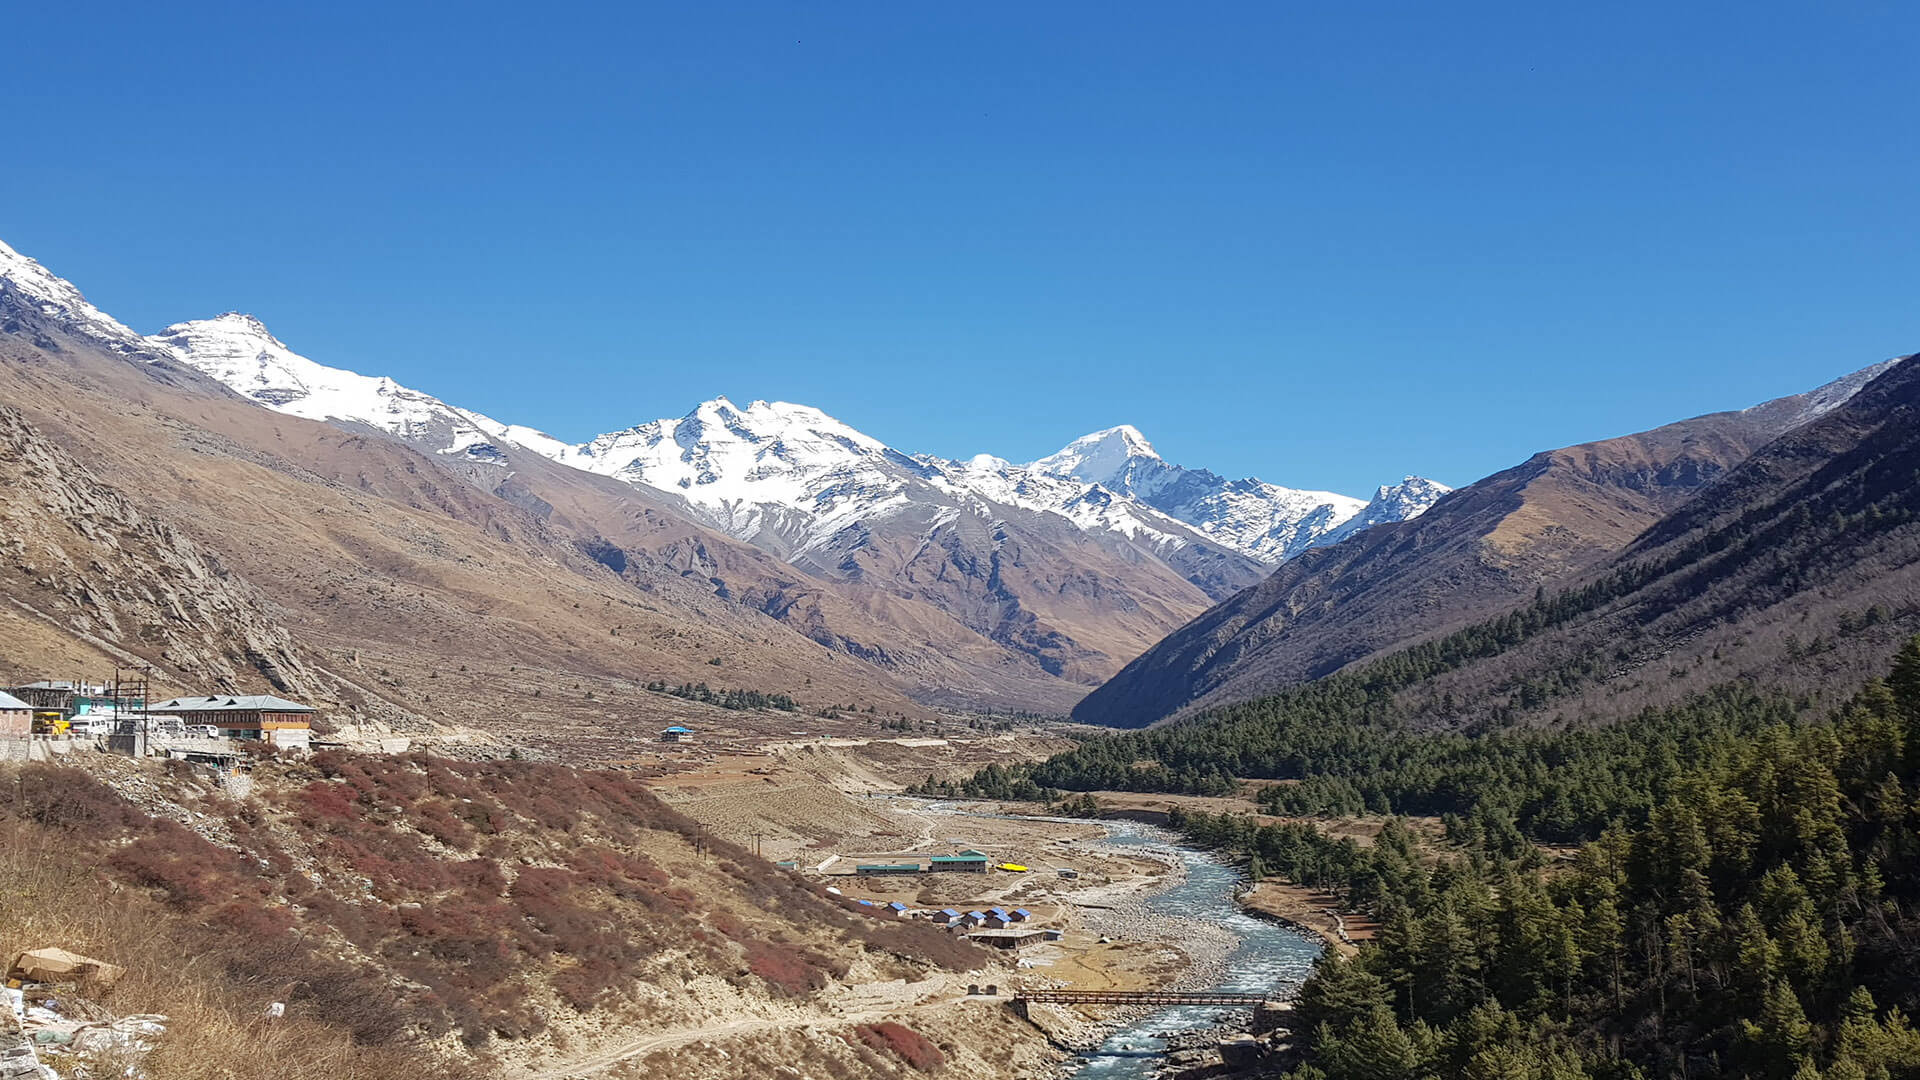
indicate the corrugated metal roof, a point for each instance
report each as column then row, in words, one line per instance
column 230, row 703
column 10, row 703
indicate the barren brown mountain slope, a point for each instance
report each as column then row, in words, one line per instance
column 1479, row 551
column 409, row 564
column 955, row 612
column 434, row 596
column 419, row 917
column 1799, row 569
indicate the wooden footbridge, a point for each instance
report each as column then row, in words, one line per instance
column 1140, row 997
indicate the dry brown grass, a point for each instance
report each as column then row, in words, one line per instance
column 411, row 909
column 52, row 894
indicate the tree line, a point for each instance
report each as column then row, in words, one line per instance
column 737, row 700
column 1749, row 911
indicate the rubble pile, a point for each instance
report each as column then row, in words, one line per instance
column 47, row 1021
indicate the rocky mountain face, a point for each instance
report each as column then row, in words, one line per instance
column 1477, row 552
column 405, row 536
column 975, row 581
column 391, row 570
column 82, row 557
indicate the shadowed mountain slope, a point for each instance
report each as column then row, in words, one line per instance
column 1479, row 551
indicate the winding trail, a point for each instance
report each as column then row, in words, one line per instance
column 873, row 1004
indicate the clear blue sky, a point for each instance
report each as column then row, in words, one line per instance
column 1325, row 244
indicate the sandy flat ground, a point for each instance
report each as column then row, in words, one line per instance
column 1311, row 909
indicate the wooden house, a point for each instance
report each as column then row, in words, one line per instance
column 285, row 724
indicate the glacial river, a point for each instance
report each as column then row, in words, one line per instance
column 1269, row 957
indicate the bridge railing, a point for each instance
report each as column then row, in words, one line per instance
column 1140, row 997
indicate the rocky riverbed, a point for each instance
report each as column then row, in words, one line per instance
column 1191, row 909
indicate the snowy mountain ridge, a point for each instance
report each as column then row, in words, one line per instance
column 786, row 477
column 55, row 298
column 239, row 351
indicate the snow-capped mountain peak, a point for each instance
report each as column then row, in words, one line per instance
column 1409, row 498
column 238, row 350
column 790, row 477
column 1411, row 491
column 1098, row 457
column 55, row 298
column 1265, row 521
column 719, row 453
column 787, row 476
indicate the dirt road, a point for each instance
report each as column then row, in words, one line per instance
column 859, row 1005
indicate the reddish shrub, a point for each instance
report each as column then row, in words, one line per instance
column 478, row 875
column 69, row 799
column 250, row 919
column 784, row 968
column 909, row 1045
column 322, row 801
column 437, row 821
column 584, row 985
column 191, row 872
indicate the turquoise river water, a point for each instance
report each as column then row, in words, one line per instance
column 1268, row 958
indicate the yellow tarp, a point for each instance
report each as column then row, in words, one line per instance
column 1015, row 867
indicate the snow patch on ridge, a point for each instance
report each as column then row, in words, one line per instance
column 238, row 350
column 57, row 299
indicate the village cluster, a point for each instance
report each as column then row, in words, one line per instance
column 998, row 927
column 49, row 717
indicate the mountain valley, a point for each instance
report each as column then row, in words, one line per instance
column 976, row 583
column 837, row 619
